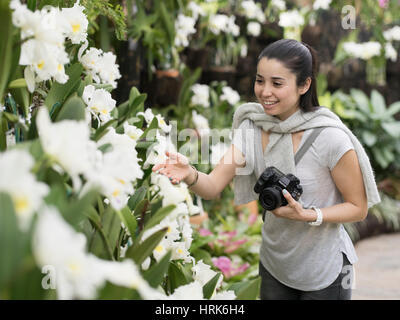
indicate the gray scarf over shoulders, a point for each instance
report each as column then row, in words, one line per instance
column 279, row 152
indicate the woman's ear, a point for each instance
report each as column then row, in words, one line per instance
column 304, row 88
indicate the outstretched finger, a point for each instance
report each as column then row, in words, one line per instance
column 158, row 166
column 172, row 157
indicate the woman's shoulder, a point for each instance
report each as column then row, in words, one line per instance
column 333, row 135
column 331, row 144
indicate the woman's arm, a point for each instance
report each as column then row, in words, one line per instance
column 208, row 186
column 348, row 179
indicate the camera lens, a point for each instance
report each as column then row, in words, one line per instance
column 270, row 198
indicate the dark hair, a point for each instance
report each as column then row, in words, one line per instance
column 301, row 59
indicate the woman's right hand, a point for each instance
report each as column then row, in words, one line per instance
column 176, row 167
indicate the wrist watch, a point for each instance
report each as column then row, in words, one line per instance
column 319, row 217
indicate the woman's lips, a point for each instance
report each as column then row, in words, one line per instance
column 269, row 105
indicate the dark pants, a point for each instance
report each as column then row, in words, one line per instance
column 340, row 289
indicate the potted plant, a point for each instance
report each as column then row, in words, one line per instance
column 156, row 27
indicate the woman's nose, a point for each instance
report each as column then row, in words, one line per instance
column 266, row 92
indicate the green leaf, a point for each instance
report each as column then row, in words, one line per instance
column 74, row 212
column 129, row 108
column 210, row 286
column 185, row 92
column 22, row 98
column 11, row 117
column 82, row 85
column 378, row 102
column 128, row 219
column 392, row 128
column 393, row 109
column 13, row 242
column 388, row 154
column 73, row 109
column 60, row 92
column 247, row 290
column 168, row 22
column 155, row 275
column 150, row 129
column 141, row 207
column 141, row 251
column 6, row 42
column 17, row 83
column 159, row 216
column 361, row 100
column 137, row 197
column 93, row 215
column 369, row 138
column 176, row 277
column 105, row 239
column 3, row 130
column 382, row 161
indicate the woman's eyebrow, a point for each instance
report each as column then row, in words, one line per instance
column 273, row 78
column 277, row 78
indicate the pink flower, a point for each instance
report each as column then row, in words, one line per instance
column 228, row 270
column 205, row 232
column 233, row 246
column 383, row 3
column 230, row 234
column 252, row 218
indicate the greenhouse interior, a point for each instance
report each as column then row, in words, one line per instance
column 125, row 115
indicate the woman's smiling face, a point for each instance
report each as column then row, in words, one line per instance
column 276, row 89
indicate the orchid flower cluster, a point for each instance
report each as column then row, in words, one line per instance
column 45, row 33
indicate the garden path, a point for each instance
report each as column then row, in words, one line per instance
column 377, row 271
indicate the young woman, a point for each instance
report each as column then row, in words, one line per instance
column 305, row 251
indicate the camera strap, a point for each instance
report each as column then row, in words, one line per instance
column 300, row 153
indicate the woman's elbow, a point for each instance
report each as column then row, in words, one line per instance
column 212, row 196
column 363, row 212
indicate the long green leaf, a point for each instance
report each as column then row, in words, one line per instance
column 3, row 130
column 105, row 239
column 11, row 240
column 73, row 109
column 59, row 92
column 392, row 128
column 128, row 219
column 140, row 252
column 247, row 290
column 378, row 102
column 137, row 197
column 393, row 109
column 6, row 40
column 361, row 100
column 210, row 286
column 176, row 277
column 168, row 22
column 155, row 275
column 159, row 216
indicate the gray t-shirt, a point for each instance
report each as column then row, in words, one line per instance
column 299, row 255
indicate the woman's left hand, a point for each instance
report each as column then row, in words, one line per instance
column 293, row 210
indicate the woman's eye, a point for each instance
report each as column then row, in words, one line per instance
column 259, row 81
column 277, row 84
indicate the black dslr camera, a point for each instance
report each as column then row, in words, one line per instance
column 270, row 185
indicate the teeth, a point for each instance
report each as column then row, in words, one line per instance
column 269, row 103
